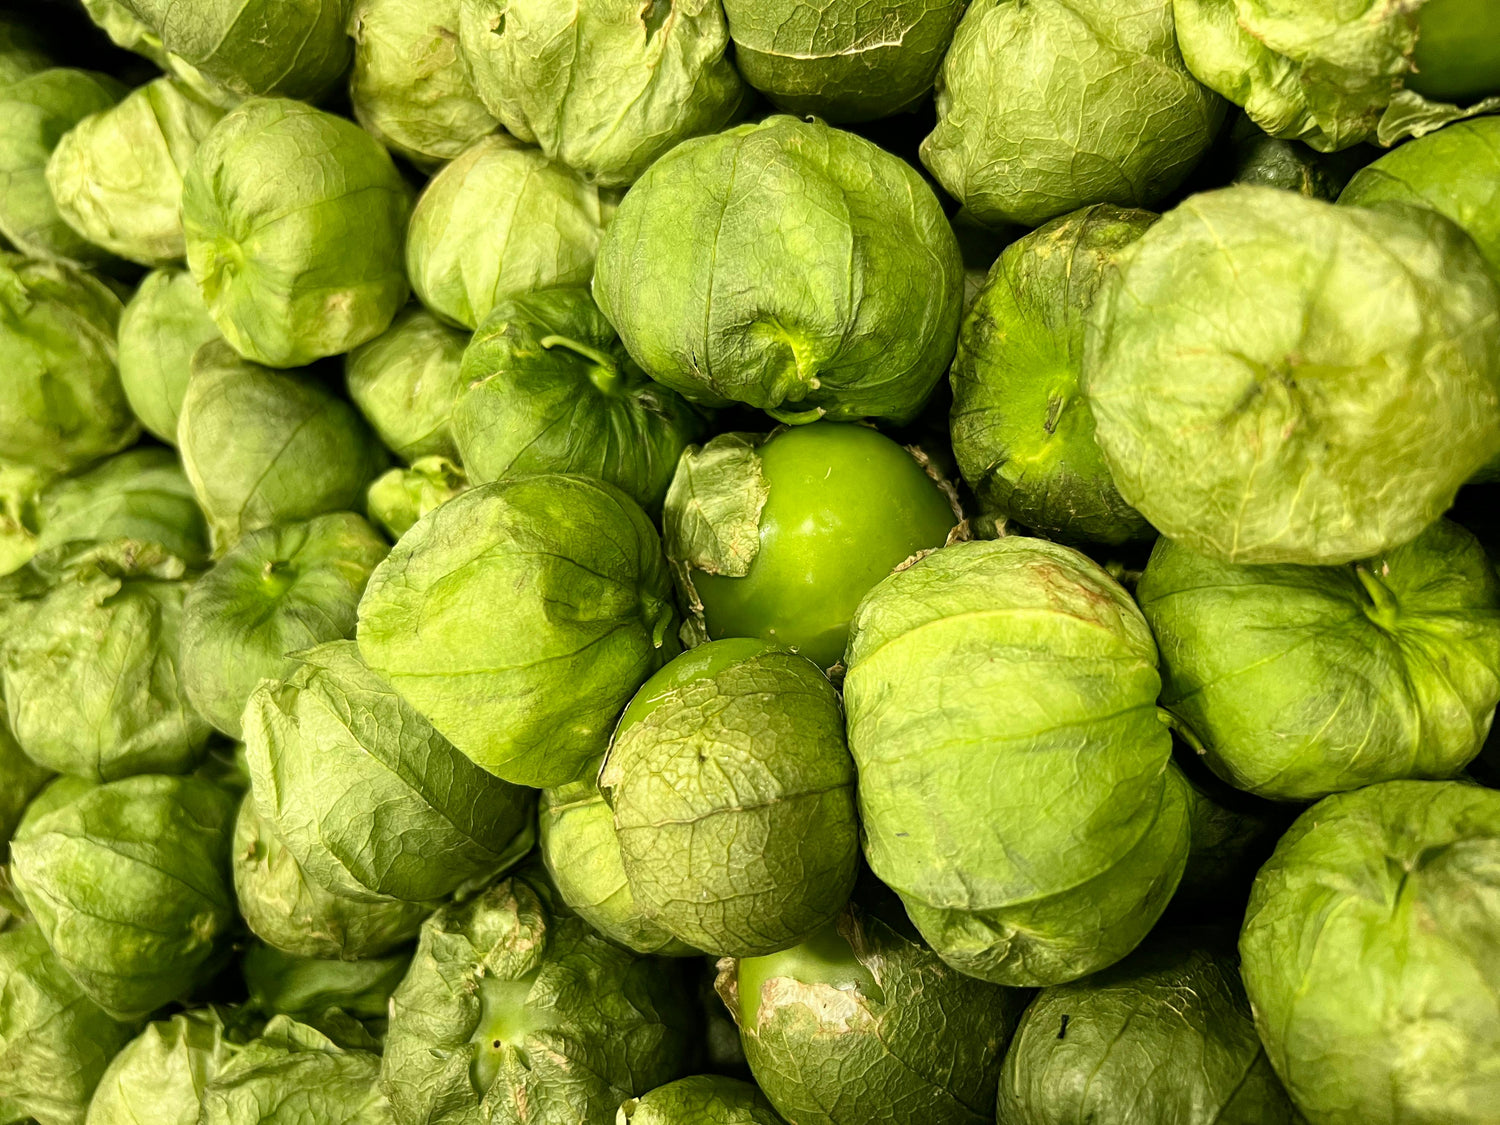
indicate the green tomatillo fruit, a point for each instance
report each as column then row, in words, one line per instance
column 842, row 60
column 576, row 831
column 263, row 447
column 703, row 1099
column 548, row 387
column 411, row 86
column 519, row 617
column 296, row 48
column 602, row 86
column 116, row 177
column 36, row 111
column 1022, row 429
column 788, row 265
column 295, row 221
column 1016, row 787
column 92, row 669
column 1165, row 1035
column 1046, row 106
column 1334, row 74
column 290, row 911
column 865, row 994
column 405, row 382
column 1455, row 171
column 516, row 1012
column 1260, row 360
column 1371, row 956
column 159, row 1075
column 301, row 1072
column 64, row 406
column 163, row 324
column 733, row 797
column 499, row 220
column 1299, row 681
column 399, row 497
column 371, row 800
column 277, row 591
column 130, row 883
column 779, row 536
column 55, row 1042
column 1457, row 58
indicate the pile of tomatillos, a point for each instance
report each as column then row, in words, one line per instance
column 749, row 562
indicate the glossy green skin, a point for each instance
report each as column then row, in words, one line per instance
column 63, row 406
column 1458, row 51
column 405, row 382
column 787, row 265
column 130, row 883
column 500, row 220
column 163, row 324
column 292, row 913
column 277, row 591
column 603, row 87
column 566, row 609
column 1022, row 429
column 703, row 1099
column 92, row 676
column 35, row 113
column 866, row 997
column 701, row 663
column 735, row 843
column 54, row 1041
column 295, row 48
column 1047, row 676
column 295, row 221
column 547, row 387
column 410, row 85
column 826, row 958
column 1455, row 171
column 1371, row 956
column 159, row 1075
column 1303, row 681
column 1124, row 122
column 842, row 60
column 371, row 800
column 1163, row 1036
column 263, row 447
column 1269, row 438
column 116, row 177
column 844, row 507
column 562, row 1027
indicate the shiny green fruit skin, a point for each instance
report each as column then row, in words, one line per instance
column 846, row 507
column 1458, row 53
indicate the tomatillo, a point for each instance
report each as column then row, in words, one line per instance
column 1458, row 51
column 779, row 536
column 733, row 798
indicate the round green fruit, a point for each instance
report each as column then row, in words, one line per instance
column 779, row 537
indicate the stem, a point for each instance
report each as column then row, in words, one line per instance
column 1385, row 609
column 606, row 373
column 1183, row 731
